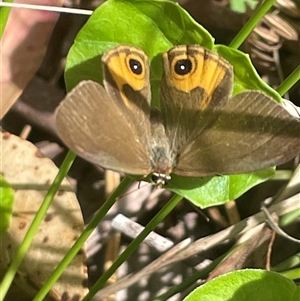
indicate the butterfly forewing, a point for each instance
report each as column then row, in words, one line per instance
column 126, row 80
column 186, row 94
column 95, row 127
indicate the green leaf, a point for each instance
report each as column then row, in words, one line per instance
column 205, row 192
column 4, row 14
column 245, row 75
column 247, row 285
column 6, row 204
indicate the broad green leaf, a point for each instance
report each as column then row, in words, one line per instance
column 245, row 75
column 247, row 285
column 206, row 192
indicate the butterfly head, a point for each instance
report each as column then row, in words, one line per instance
column 160, row 179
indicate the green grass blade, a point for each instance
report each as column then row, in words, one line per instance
column 134, row 245
column 252, row 22
column 81, row 240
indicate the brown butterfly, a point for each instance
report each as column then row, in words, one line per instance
column 200, row 129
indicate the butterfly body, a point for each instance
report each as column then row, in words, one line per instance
column 199, row 129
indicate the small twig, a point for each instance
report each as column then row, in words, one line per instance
column 48, row 8
column 292, row 187
column 269, row 252
column 25, row 131
column 132, row 229
column 275, row 227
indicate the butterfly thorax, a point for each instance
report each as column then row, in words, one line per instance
column 162, row 157
column 162, row 163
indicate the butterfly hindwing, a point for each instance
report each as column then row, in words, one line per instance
column 250, row 132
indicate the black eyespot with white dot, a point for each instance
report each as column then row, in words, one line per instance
column 135, row 66
column 183, row 67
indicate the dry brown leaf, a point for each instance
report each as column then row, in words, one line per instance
column 23, row 47
column 23, row 165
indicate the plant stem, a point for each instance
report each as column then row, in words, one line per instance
column 133, row 245
column 252, row 22
column 289, row 82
